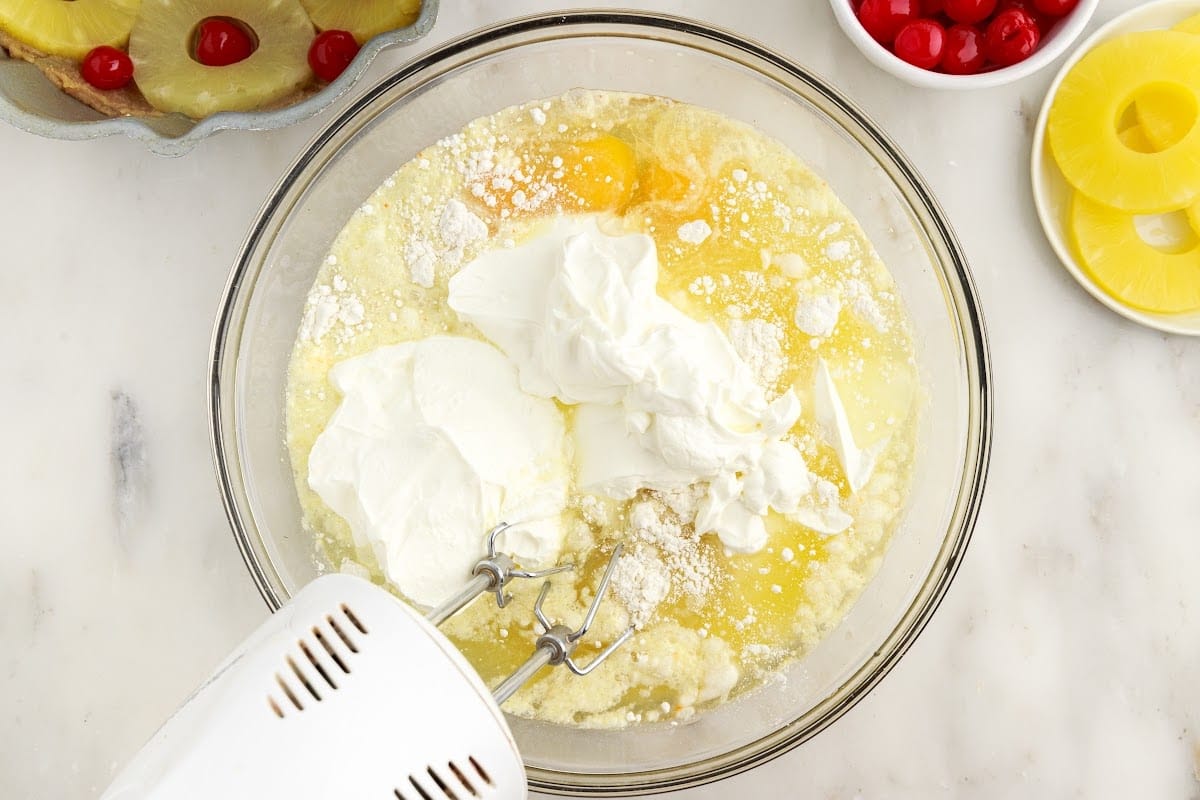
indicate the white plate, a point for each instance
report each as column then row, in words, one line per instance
column 1050, row 190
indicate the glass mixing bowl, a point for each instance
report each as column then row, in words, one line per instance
column 543, row 56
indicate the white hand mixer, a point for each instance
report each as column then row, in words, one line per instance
column 347, row 692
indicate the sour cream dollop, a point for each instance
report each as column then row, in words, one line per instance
column 662, row 400
column 434, row 442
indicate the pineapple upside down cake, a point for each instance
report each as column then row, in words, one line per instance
column 193, row 57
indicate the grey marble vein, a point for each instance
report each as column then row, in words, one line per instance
column 128, row 458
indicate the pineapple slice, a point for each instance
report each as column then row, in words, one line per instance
column 172, row 80
column 1082, row 125
column 1189, row 25
column 71, row 29
column 1165, row 116
column 1134, row 137
column 363, row 18
column 1129, row 269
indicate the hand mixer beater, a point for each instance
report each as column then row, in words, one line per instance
column 347, row 692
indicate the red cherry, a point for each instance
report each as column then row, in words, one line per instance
column 921, row 43
column 1043, row 22
column 331, row 52
column 883, row 19
column 931, row 8
column 221, row 42
column 1011, row 37
column 964, row 51
column 107, row 68
column 969, row 11
column 1055, row 8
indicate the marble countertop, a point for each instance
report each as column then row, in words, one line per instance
column 1065, row 661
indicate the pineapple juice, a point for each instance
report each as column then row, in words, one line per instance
column 748, row 238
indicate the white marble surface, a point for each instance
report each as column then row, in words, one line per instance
column 1065, row 661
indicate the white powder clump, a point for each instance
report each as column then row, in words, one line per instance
column 320, row 312
column 832, row 229
column 594, row 511
column 664, row 552
column 646, row 518
column 684, row 501
column 702, row 286
column 824, row 512
column 459, row 228
column 351, row 311
column 817, row 315
column 641, row 581
column 331, row 309
column 421, row 258
column 865, row 305
column 691, row 569
column 760, row 344
column 791, row 264
column 694, row 232
column 538, row 116
column 838, row 251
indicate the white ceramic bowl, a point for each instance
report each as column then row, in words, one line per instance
column 1056, row 42
column 30, row 102
column 1052, row 194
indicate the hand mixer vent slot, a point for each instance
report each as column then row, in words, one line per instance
column 480, row 770
column 433, row 786
column 320, row 668
column 327, row 655
column 441, row 784
column 328, row 647
column 291, row 695
column 342, row 631
column 350, row 615
column 463, row 779
column 303, row 677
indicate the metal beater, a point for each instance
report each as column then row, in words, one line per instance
column 558, row 642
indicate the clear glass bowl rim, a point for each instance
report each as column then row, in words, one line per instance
column 951, row 261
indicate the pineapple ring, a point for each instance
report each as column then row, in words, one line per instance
column 1081, row 125
column 68, row 29
column 1135, row 139
column 172, row 80
column 363, row 18
column 1189, row 25
column 1161, row 118
column 1133, row 272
